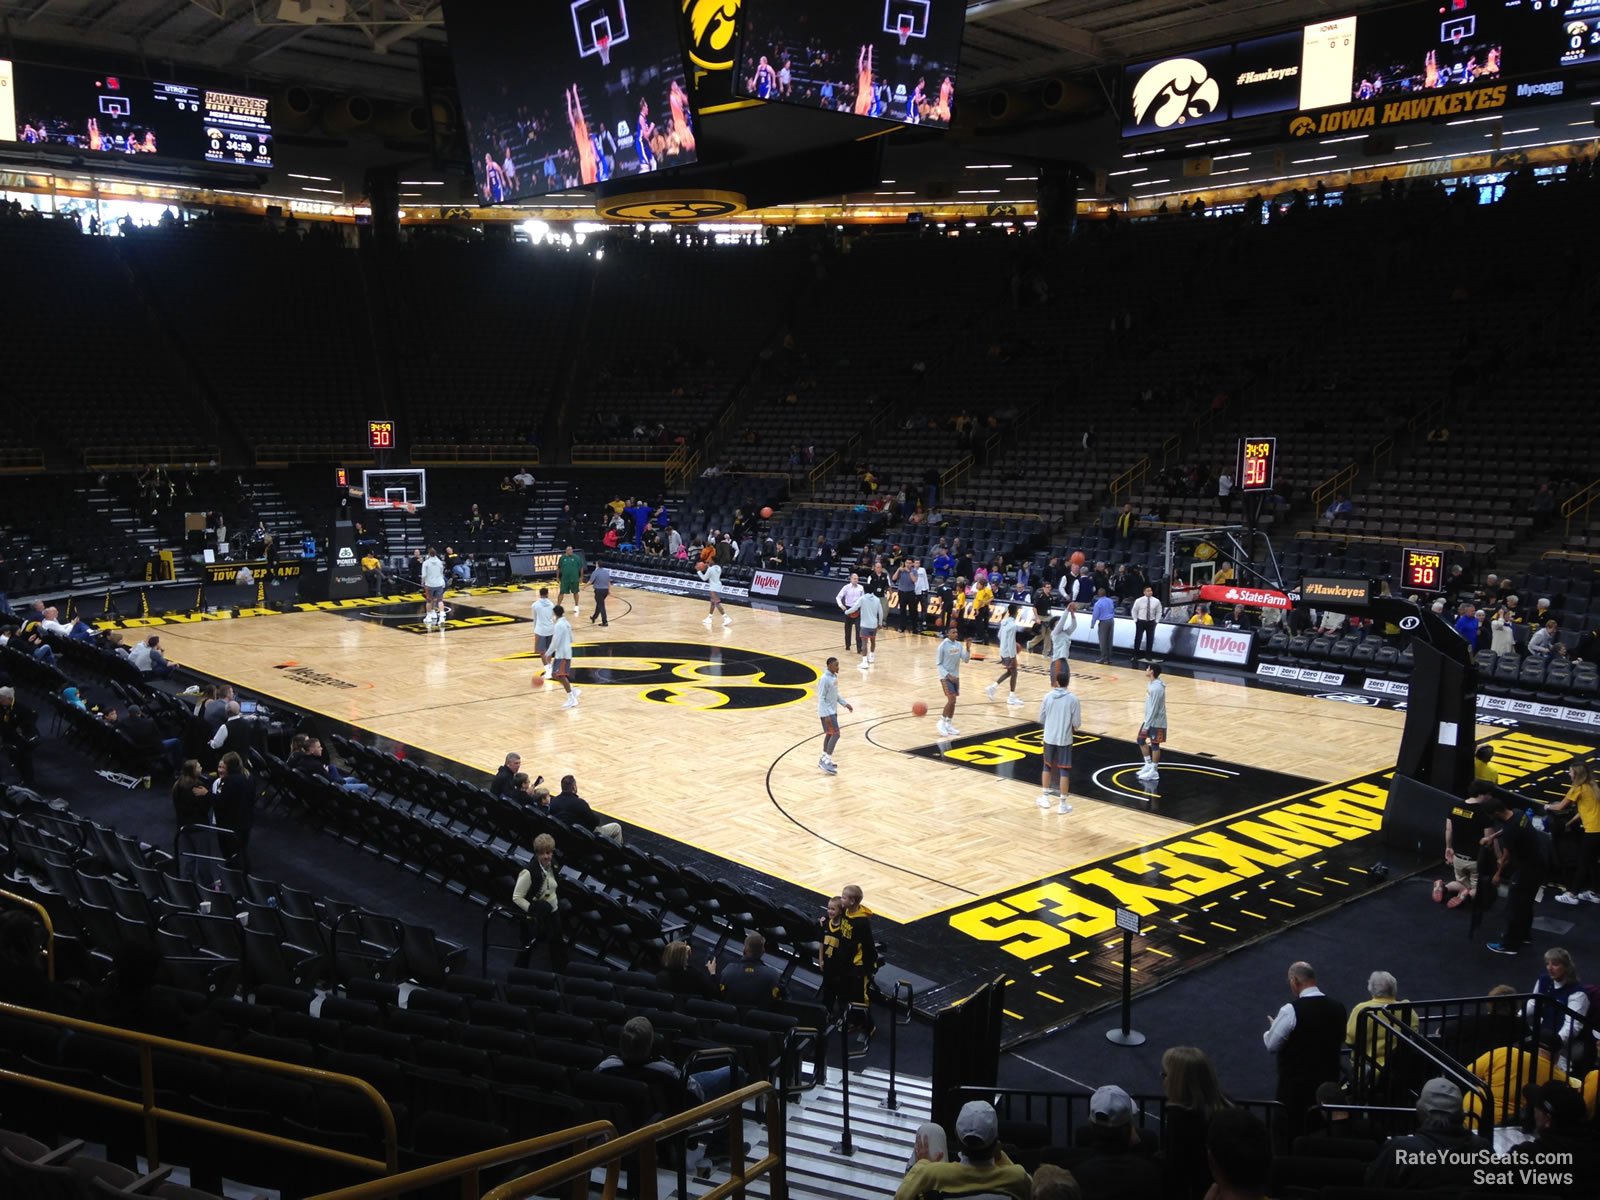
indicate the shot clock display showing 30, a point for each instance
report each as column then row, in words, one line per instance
column 1257, row 458
column 1422, row 570
column 380, row 435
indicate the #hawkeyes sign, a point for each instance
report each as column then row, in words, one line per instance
column 691, row 674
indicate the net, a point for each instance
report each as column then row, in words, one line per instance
column 603, row 44
column 904, row 28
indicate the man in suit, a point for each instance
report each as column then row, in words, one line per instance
column 1305, row 1035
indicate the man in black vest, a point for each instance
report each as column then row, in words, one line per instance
column 1306, row 1036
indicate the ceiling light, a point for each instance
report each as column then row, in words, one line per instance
column 1127, row 171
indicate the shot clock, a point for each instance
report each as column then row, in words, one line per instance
column 380, row 435
column 1422, row 570
column 1257, row 458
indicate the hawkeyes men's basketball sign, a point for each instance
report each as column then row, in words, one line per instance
column 691, row 674
column 709, row 29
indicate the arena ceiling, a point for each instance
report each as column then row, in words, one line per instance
column 369, row 46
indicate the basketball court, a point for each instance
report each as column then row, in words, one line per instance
column 710, row 737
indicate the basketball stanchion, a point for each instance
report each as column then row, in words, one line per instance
column 1126, row 1035
column 144, row 602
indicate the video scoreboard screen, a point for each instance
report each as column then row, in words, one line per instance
column 570, row 93
column 122, row 115
column 1412, row 51
column 1422, row 570
column 892, row 60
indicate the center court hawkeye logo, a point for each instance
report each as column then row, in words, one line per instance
column 1173, row 92
column 691, row 674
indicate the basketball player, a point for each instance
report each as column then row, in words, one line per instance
column 1008, row 657
column 712, row 574
column 941, row 110
column 682, row 131
column 765, row 80
column 828, row 703
column 643, row 131
column 561, row 655
column 870, row 608
column 580, row 136
column 433, row 588
column 544, row 625
column 569, row 577
column 785, row 79
column 602, row 161
column 95, row 140
column 1062, row 716
column 1061, row 644
column 508, row 170
column 865, row 94
column 494, row 182
column 951, row 655
column 1154, row 730
column 916, row 102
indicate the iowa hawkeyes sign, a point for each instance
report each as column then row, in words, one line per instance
column 691, row 674
column 712, row 24
column 680, row 204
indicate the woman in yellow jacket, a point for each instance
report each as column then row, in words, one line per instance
column 1584, row 799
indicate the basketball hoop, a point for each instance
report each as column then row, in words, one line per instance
column 603, row 45
column 904, row 28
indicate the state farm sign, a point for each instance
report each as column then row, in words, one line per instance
column 1227, row 593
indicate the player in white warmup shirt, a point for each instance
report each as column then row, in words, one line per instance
column 713, row 577
column 544, row 625
column 1008, row 658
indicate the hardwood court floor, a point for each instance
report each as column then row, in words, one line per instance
column 918, row 834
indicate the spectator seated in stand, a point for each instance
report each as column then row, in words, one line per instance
column 1112, row 1162
column 1240, row 1151
column 1441, row 1136
column 983, row 1168
column 147, row 656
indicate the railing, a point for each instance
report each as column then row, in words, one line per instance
column 280, row 454
column 1124, row 483
column 152, row 1113
column 1382, row 454
column 955, row 474
column 1334, row 485
column 131, row 458
column 1571, row 554
column 429, row 453
column 43, row 914
column 1063, row 1112
column 677, row 469
column 1171, row 449
column 822, row 470
column 1409, row 1060
column 1335, row 536
column 469, row 1169
column 20, row 459
column 1580, row 502
column 588, row 454
column 575, row 1171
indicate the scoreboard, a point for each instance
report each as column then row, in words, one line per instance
column 1258, row 457
column 1422, row 570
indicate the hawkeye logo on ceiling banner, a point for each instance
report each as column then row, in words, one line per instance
column 691, row 674
column 1399, row 111
column 1216, row 885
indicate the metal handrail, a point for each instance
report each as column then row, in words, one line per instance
column 591, row 453
column 281, row 454
column 468, row 1166
column 952, row 474
column 151, row 1112
column 1399, row 1033
column 1382, row 453
column 470, row 453
column 43, row 914
column 1571, row 507
column 1330, row 535
column 1333, row 484
column 20, row 459
column 1171, row 449
column 609, row 1155
column 131, row 458
column 1128, row 478
column 1570, row 554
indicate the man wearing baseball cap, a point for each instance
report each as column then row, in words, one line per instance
column 1562, row 1135
column 1114, row 1160
column 983, row 1166
column 1450, row 1152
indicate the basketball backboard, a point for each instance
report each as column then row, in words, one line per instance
column 906, row 18
column 599, row 26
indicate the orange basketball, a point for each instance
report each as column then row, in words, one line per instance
column 1077, row 558
column 538, row 681
column 918, row 708
column 766, row 513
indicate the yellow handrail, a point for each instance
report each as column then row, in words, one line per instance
column 474, row 453
column 1334, row 484
column 674, row 470
column 468, row 1167
column 153, row 1112
column 1170, row 449
column 20, row 459
column 1125, row 481
column 131, row 458
column 1332, row 536
column 1571, row 554
column 954, row 473
column 820, row 472
column 1382, row 453
column 43, row 914
column 642, row 1142
column 281, row 454
column 590, row 453
column 1580, row 502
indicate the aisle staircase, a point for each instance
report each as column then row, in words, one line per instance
column 882, row 1139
